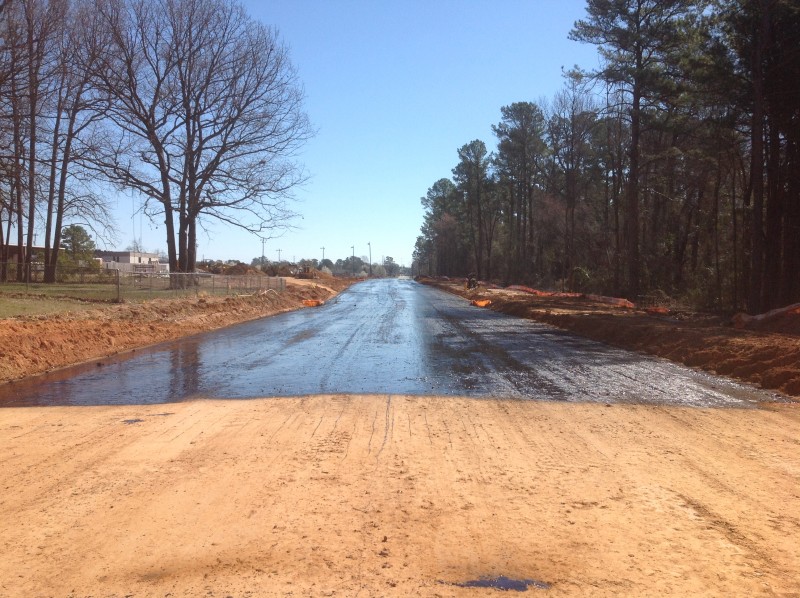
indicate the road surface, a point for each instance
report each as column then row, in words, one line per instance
column 384, row 337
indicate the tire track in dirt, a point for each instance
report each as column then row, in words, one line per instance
column 730, row 531
column 388, row 426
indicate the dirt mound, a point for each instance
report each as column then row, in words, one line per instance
column 242, row 270
column 332, row 281
column 785, row 320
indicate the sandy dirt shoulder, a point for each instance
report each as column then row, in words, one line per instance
column 35, row 344
column 768, row 357
column 395, row 496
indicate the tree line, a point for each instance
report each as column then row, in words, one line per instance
column 190, row 104
column 672, row 169
column 350, row 266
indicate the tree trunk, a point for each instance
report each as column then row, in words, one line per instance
column 33, row 104
column 715, row 217
column 790, row 291
column 754, row 303
column 49, row 258
column 191, row 250
column 632, row 199
column 774, row 209
column 734, row 242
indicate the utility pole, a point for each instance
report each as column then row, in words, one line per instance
column 279, row 256
column 262, row 253
column 370, row 258
column 353, row 247
column 323, row 254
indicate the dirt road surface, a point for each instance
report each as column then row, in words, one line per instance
column 397, row 496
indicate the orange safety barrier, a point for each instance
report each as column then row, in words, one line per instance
column 481, row 302
column 312, row 302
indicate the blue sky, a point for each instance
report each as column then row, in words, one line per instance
column 393, row 88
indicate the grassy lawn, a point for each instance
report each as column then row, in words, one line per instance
column 13, row 305
column 44, row 299
column 89, row 291
column 36, row 298
column 73, row 293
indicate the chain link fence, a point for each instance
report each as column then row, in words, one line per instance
column 98, row 284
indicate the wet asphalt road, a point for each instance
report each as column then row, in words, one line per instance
column 384, row 337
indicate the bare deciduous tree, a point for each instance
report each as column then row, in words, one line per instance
column 75, row 109
column 207, row 115
column 45, row 89
column 570, row 134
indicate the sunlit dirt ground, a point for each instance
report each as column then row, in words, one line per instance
column 396, row 496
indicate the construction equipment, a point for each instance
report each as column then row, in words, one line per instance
column 306, row 272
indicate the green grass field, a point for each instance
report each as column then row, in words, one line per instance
column 88, row 291
column 37, row 298
column 14, row 305
column 43, row 299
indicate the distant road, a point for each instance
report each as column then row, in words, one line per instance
column 384, row 337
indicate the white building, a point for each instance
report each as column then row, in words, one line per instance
column 131, row 261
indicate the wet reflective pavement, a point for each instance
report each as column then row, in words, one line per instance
column 384, row 337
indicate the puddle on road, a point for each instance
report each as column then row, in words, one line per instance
column 502, row 583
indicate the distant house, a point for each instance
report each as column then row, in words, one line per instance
column 37, row 253
column 131, row 261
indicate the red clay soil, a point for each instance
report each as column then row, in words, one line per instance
column 765, row 353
